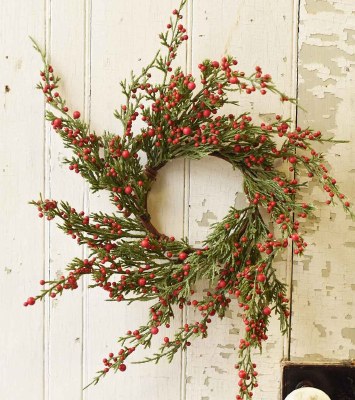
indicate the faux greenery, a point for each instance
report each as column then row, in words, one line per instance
column 129, row 258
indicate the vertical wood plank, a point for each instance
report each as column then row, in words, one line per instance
column 66, row 48
column 125, row 37
column 21, row 178
column 243, row 29
column 323, row 321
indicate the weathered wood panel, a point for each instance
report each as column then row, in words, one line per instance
column 324, row 279
column 21, row 178
column 66, row 47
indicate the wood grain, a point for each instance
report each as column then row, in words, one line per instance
column 66, row 39
column 22, row 144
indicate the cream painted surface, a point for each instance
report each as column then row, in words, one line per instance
column 63, row 315
column 324, row 280
column 21, row 178
column 51, row 351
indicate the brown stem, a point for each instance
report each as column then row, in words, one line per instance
column 145, row 220
column 219, row 155
column 151, row 174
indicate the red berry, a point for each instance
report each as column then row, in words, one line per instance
column 191, row 85
column 154, row 330
column 57, row 123
column 42, row 282
column 267, row 311
column 292, row 160
column 31, row 301
column 128, row 190
column 182, row 256
column 233, row 79
column 76, row 114
column 187, row 131
column 145, row 243
column 242, row 374
column 222, row 284
column 142, row 282
column 261, row 278
column 206, row 113
column 122, row 367
column 125, row 154
column 295, row 237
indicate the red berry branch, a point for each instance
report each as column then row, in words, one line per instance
column 130, row 259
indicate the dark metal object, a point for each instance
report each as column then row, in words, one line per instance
column 336, row 380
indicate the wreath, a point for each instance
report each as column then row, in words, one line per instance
column 130, row 259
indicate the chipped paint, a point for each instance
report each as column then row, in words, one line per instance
column 228, row 314
column 325, row 37
column 306, row 261
column 270, row 346
column 321, row 329
column 319, row 6
column 326, row 271
column 235, row 331
column 226, row 346
column 268, row 117
column 218, row 369
column 226, row 355
column 322, row 296
column 348, row 333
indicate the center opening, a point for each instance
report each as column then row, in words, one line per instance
column 187, row 197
